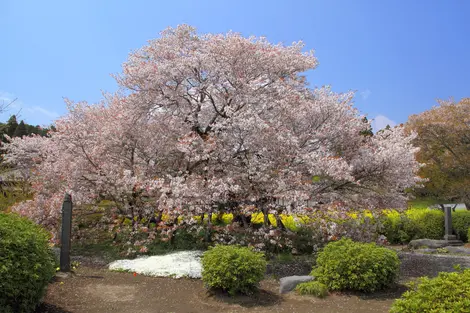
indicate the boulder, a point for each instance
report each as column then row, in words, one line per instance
column 426, row 250
column 428, row 243
column 453, row 249
column 290, row 282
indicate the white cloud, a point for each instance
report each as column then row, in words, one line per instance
column 365, row 94
column 381, row 121
column 38, row 109
column 35, row 115
column 9, row 99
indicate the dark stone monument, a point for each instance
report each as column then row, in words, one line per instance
column 66, row 234
column 449, row 237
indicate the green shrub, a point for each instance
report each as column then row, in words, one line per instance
column 306, row 239
column 393, row 227
column 413, row 224
column 468, row 234
column 461, row 223
column 313, row 288
column 427, row 223
column 448, row 292
column 233, row 269
column 26, row 264
column 349, row 265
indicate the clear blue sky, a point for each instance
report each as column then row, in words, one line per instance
column 400, row 56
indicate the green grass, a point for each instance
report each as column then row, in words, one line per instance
column 423, row 203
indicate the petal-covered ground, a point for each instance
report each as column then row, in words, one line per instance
column 178, row 264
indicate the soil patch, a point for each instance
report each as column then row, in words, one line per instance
column 95, row 290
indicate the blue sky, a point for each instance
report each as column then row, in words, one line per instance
column 400, row 56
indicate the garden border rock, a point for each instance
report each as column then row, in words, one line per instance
column 290, row 282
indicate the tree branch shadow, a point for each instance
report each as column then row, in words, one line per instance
column 50, row 308
column 261, row 298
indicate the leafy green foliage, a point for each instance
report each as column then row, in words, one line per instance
column 448, row 292
column 461, row 223
column 423, row 202
column 442, row 136
column 425, row 223
column 349, row 265
column 418, row 223
column 413, row 224
column 13, row 129
column 12, row 193
column 26, row 264
column 313, row 288
column 233, row 269
column 395, row 227
column 21, row 130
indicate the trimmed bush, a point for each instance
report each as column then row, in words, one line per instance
column 413, row 224
column 313, row 288
column 349, row 265
column 422, row 223
column 233, row 269
column 427, row 223
column 448, row 292
column 460, row 224
column 26, row 264
column 393, row 227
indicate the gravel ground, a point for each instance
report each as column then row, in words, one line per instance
column 413, row 264
column 94, row 289
column 418, row 264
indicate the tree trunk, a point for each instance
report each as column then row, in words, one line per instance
column 265, row 211
column 279, row 222
column 209, row 226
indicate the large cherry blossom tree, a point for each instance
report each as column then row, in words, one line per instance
column 210, row 123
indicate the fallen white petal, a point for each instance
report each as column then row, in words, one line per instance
column 179, row 264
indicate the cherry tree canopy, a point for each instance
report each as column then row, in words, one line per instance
column 219, row 121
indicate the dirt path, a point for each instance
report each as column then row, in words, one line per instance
column 94, row 289
column 101, row 291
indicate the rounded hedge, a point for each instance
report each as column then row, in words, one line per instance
column 312, row 288
column 413, row 224
column 448, row 292
column 233, row 269
column 461, row 224
column 26, row 264
column 349, row 265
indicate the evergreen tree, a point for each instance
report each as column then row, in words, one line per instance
column 368, row 131
column 21, row 130
column 32, row 129
column 12, row 124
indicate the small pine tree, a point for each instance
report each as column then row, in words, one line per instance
column 12, row 124
column 368, row 131
column 21, row 130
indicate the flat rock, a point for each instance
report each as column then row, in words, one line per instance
column 426, row 250
column 428, row 243
column 290, row 282
column 453, row 249
column 62, row 276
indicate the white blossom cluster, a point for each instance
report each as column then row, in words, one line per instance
column 201, row 121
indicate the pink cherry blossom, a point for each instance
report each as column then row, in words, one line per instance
column 209, row 123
